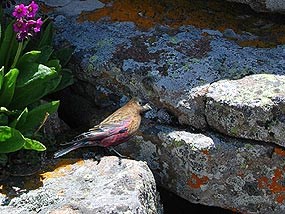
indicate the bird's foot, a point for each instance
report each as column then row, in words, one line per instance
column 111, row 149
column 95, row 156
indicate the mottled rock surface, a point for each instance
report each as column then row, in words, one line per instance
column 173, row 59
column 112, row 186
column 171, row 68
column 265, row 5
column 211, row 169
column 252, row 107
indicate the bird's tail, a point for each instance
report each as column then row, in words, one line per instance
column 69, row 149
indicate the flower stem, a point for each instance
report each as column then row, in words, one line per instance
column 19, row 50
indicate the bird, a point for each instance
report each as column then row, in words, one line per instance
column 117, row 128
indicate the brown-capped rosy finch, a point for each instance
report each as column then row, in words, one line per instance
column 115, row 129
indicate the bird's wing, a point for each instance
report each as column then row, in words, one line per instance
column 101, row 131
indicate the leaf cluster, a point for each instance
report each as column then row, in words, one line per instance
column 39, row 71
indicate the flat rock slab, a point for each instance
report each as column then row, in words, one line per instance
column 252, row 107
column 210, row 169
column 112, row 186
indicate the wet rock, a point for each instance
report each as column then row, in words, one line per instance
column 112, row 186
column 264, row 5
column 211, row 169
column 252, row 107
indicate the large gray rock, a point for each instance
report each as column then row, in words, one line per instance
column 173, row 69
column 211, row 169
column 252, row 107
column 264, row 5
column 112, row 186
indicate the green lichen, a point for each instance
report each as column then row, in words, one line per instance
column 177, row 143
column 234, row 130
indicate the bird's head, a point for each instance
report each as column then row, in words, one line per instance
column 141, row 105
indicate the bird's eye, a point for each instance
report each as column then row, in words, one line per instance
column 139, row 102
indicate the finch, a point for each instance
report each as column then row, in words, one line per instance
column 115, row 129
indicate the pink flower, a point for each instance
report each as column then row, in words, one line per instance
column 38, row 25
column 20, row 11
column 20, row 26
column 32, row 9
column 25, row 25
column 22, row 35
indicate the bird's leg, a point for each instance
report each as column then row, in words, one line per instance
column 111, row 149
column 95, row 156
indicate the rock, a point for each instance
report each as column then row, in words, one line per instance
column 112, row 186
column 229, row 33
column 252, row 107
column 54, row 126
column 73, row 7
column 264, row 5
column 172, row 69
column 173, row 66
column 211, row 169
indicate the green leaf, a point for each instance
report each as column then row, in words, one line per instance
column 66, row 80
column 55, row 63
column 1, row 76
column 1, row 17
column 46, row 53
column 20, row 120
column 6, row 111
column 11, row 139
column 8, row 88
column 8, row 48
column 36, row 116
column 34, row 145
column 3, row 119
column 6, row 43
column 41, row 83
column 31, row 72
column 47, row 36
column 64, row 55
column 29, row 57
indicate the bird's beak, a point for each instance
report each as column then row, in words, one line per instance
column 146, row 107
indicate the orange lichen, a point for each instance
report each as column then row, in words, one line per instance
column 279, row 151
column 205, row 152
column 196, row 182
column 274, row 184
column 61, row 169
column 262, row 182
column 280, row 199
column 214, row 14
column 240, row 174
